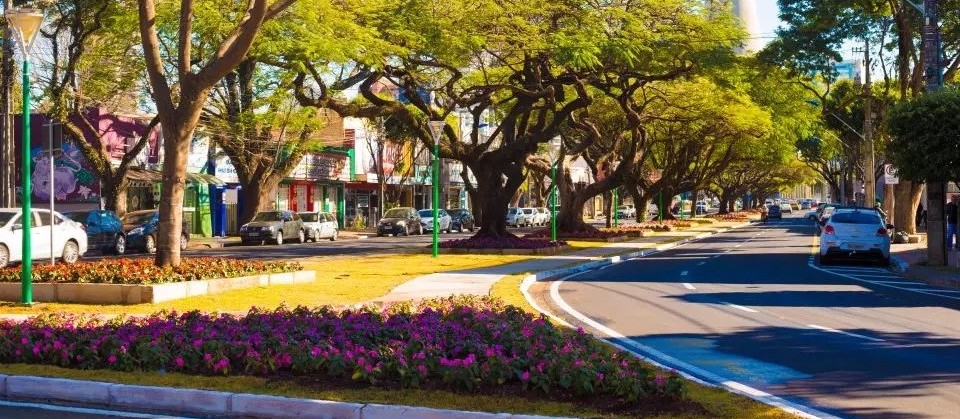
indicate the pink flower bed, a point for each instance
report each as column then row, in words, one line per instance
column 573, row 235
column 456, row 343
column 502, row 243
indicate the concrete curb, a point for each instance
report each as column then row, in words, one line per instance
column 899, row 264
column 204, row 402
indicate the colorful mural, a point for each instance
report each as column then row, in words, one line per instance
column 72, row 181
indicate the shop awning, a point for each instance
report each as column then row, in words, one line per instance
column 142, row 176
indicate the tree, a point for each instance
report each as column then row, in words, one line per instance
column 181, row 93
column 90, row 42
column 252, row 116
column 925, row 132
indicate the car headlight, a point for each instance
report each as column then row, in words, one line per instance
column 136, row 232
column 401, row 223
column 243, row 227
column 270, row 228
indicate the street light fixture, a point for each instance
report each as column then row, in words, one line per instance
column 436, row 130
column 555, row 155
column 25, row 24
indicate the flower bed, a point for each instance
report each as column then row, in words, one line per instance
column 143, row 271
column 596, row 235
column 502, row 243
column 460, row 344
column 733, row 216
column 630, row 230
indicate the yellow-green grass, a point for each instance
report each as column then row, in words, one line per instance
column 717, row 403
column 341, row 281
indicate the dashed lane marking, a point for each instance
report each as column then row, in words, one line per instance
column 689, row 286
column 742, row 308
column 831, row 330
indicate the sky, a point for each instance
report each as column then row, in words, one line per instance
column 767, row 18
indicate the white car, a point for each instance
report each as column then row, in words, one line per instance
column 626, row 211
column 518, row 217
column 531, row 215
column 786, row 207
column 320, row 225
column 855, row 233
column 444, row 220
column 69, row 238
column 542, row 217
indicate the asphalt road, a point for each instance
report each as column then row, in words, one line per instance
column 25, row 410
column 755, row 307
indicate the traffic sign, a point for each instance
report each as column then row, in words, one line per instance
column 890, row 175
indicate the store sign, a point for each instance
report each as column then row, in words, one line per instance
column 321, row 167
column 225, row 171
column 890, row 176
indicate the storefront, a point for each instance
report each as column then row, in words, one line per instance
column 317, row 183
column 143, row 192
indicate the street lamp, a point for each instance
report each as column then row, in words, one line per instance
column 25, row 24
column 436, row 129
column 555, row 155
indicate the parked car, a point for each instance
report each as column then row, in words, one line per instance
column 462, row 219
column 856, row 233
column 444, row 220
column 774, row 212
column 275, row 226
column 140, row 228
column 320, row 225
column 543, row 216
column 518, row 217
column 400, row 221
column 104, row 230
column 786, row 207
column 626, row 211
column 701, row 207
column 69, row 239
column 805, row 205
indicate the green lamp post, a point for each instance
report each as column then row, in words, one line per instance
column 25, row 24
column 555, row 155
column 436, row 129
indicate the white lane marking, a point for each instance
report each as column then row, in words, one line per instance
column 701, row 263
column 85, row 410
column 689, row 286
column 813, row 265
column 831, row 330
column 684, row 273
column 738, row 245
column 689, row 371
column 916, row 284
column 928, row 289
column 740, row 307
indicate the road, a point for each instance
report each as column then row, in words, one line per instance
column 25, row 410
column 753, row 306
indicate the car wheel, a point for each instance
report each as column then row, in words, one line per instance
column 336, row 233
column 301, row 236
column 419, row 230
column 71, row 253
column 279, row 239
column 825, row 260
column 316, row 235
column 406, row 231
column 150, row 244
column 184, row 241
column 4, row 256
column 472, row 227
column 120, row 246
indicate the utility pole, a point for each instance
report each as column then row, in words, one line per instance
column 7, row 168
column 869, row 159
column 936, row 191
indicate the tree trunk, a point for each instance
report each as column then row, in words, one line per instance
column 905, row 215
column 608, row 209
column 570, row 217
column 114, row 192
column 256, row 197
column 641, row 207
column 668, row 203
column 176, row 145
column 726, row 199
column 496, row 195
column 889, row 200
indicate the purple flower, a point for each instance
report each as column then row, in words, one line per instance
column 178, row 362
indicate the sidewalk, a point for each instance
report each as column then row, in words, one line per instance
column 911, row 260
column 478, row 282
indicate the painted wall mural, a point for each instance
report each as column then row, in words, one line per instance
column 72, row 180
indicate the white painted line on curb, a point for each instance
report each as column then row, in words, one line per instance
column 85, row 410
column 689, row 371
column 827, row 329
column 689, row 286
column 740, row 307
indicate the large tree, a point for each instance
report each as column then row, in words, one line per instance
column 180, row 92
column 94, row 63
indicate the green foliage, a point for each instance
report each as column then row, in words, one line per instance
column 142, row 271
column 926, row 137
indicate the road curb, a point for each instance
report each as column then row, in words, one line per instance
column 899, row 264
column 206, row 402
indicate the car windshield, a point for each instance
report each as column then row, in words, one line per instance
column 80, row 217
column 267, row 216
column 309, row 217
column 454, row 212
column 854, row 218
column 396, row 213
column 138, row 217
column 5, row 217
column 426, row 213
column 512, row 211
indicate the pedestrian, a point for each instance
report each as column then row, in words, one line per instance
column 921, row 215
column 951, row 210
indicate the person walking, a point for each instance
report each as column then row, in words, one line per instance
column 951, row 210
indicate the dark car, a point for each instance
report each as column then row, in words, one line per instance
column 104, row 230
column 462, row 219
column 400, row 221
column 141, row 229
column 275, row 226
column 774, row 211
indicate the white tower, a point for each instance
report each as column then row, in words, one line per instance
column 746, row 10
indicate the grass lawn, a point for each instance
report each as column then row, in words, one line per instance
column 341, row 280
column 717, row 403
